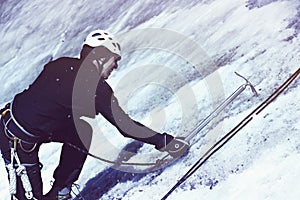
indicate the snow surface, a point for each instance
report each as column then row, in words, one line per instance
column 178, row 65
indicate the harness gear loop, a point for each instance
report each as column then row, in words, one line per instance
column 25, row 150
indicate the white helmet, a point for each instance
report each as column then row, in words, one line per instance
column 103, row 38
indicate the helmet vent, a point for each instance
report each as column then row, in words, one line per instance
column 101, row 39
column 96, row 34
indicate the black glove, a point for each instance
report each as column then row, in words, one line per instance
column 176, row 147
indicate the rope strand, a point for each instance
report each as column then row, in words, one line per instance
column 118, row 163
column 220, row 143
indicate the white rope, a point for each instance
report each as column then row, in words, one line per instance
column 12, row 174
column 20, row 171
column 12, row 179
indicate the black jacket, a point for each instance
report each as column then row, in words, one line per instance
column 66, row 90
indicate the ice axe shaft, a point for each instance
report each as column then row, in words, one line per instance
column 221, row 107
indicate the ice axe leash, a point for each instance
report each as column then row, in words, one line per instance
column 220, row 143
column 163, row 160
column 110, row 161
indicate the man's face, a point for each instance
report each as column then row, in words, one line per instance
column 106, row 62
column 109, row 66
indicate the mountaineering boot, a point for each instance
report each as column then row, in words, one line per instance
column 58, row 193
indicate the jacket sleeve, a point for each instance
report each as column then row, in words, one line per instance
column 107, row 105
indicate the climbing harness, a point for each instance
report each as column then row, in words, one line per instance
column 11, row 136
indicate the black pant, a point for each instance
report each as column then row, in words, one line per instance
column 70, row 164
column 72, row 160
